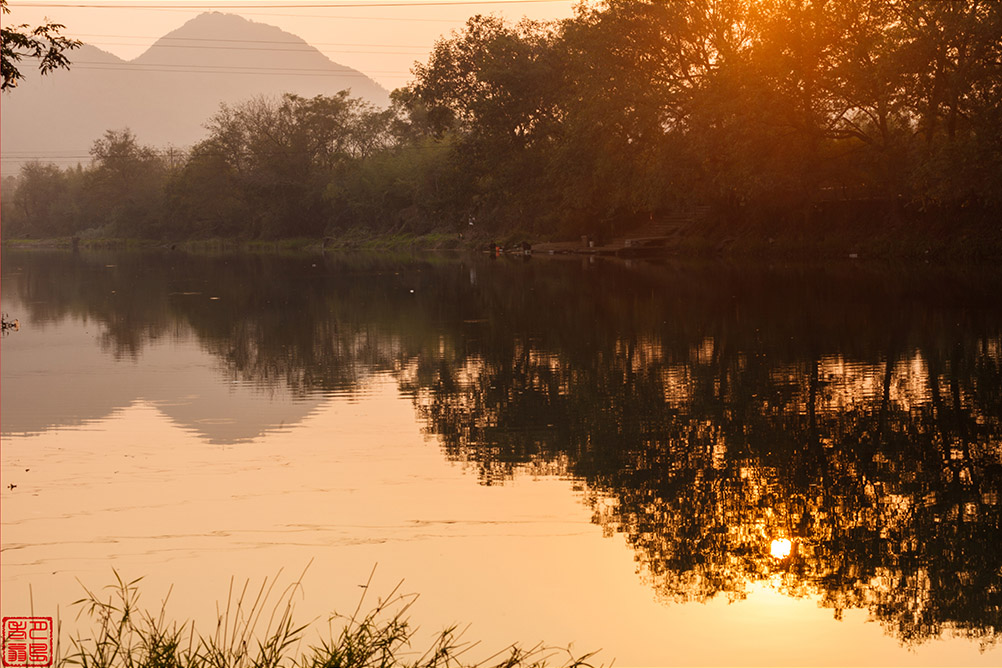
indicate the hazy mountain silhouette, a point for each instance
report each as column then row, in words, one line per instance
column 168, row 93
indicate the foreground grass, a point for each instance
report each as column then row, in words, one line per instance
column 253, row 633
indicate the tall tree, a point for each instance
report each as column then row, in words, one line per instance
column 496, row 84
column 125, row 186
column 953, row 54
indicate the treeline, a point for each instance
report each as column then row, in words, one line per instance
column 784, row 109
column 267, row 169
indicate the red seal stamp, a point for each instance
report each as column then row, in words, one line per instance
column 27, row 642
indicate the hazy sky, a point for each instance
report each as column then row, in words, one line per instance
column 380, row 38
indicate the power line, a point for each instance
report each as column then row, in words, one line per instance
column 228, row 69
column 30, row 158
column 405, row 19
column 359, row 75
column 182, row 152
column 138, row 66
column 345, row 75
column 328, row 16
column 318, row 5
column 308, row 49
column 254, row 41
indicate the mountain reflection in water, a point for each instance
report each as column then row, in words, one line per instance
column 834, row 432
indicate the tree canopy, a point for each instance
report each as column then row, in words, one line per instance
column 804, row 113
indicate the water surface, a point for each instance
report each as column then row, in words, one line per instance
column 676, row 463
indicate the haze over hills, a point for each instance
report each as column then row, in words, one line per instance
column 166, row 95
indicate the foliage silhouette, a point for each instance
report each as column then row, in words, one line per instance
column 43, row 43
column 779, row 119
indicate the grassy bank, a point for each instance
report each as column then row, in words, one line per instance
column 351, row 240
column 252, row 631
column 938, row 239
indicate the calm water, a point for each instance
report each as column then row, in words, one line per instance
column 678, row 464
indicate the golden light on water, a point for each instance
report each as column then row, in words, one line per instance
column 780, row 548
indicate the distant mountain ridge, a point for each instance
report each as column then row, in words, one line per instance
column 167, row 94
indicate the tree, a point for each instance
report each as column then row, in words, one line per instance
column 631, row 72
column 273, row 162
column 42, row 42
column 125, row 185
column 496, row 84
column 41, row 203
column 953, row 53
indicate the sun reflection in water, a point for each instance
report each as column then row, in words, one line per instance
column 780, row 548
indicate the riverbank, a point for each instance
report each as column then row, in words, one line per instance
column 915, row 237
column 436, row 241
column 937, row 239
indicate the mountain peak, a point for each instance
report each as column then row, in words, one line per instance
column 220, row 39
column 227, row 44
column 168, row 94
column 220, row 25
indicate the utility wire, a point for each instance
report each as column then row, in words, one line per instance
column 234, row 68
column 307, row 49
column 290, row 5
column 185, row 153
column 219, row 69
column 254, row 41
column 405, row 19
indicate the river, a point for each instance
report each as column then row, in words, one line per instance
column 674, row 463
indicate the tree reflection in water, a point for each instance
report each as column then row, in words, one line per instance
column 834, row 432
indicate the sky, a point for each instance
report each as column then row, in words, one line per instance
column 382, row 38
